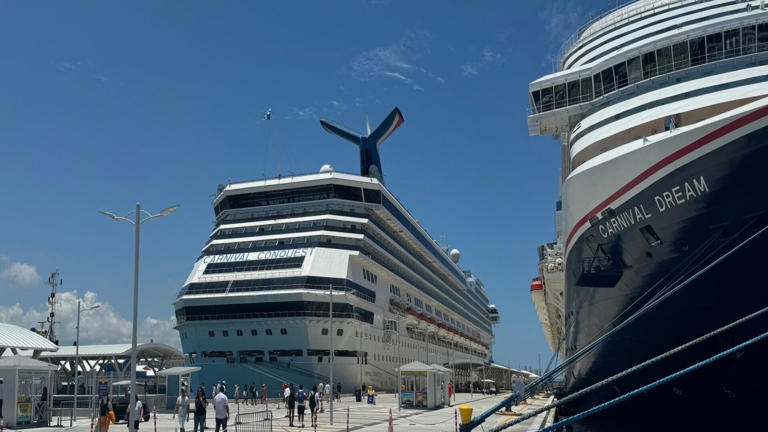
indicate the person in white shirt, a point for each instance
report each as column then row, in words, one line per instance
column 182, row 408
column 138, row 413
column 221, row 408
column 287, row 393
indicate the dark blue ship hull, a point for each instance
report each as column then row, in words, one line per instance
column 684, row 221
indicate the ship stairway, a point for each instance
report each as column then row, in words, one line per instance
column 754, row 231
column 285, row 374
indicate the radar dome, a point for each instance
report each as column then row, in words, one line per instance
column 326, row 168
column 455, row 255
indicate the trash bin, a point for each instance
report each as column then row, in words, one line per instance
column 358, row 396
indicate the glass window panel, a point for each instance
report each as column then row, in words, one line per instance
column 698, row 51
column 547, row 102
column 748, row 39
column 649, row 65
column 762, row 37
column 560, row 96
column 586, row 89
column 634, row 69
column 732, row 43
column 664, row 60
column 536, row 97
column 608, row 81
column 620, row 73
column 598, row 85
column 574, row 93
column 680, row 55
column 714, row 47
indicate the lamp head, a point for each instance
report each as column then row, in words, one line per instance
column 169, row 210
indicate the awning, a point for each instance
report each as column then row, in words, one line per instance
column 178, row 370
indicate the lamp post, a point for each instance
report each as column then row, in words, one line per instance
column 137, row 225
column 77, row 357
column 330, row 314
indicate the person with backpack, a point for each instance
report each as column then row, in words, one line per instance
column 313, row 405
column 291, row 404
column 300, row 399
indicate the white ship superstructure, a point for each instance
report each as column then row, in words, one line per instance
column 256, row 305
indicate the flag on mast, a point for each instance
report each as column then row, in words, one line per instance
column 268, row 115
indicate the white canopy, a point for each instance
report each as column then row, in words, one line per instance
column 15, row 337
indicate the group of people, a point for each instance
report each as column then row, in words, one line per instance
column 220, row 409
column 297, row 399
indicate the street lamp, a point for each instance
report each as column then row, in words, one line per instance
column 137, row 224
column 77, row 356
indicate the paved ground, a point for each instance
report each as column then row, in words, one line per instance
column 362, row 417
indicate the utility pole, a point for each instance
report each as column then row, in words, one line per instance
column 330, row 314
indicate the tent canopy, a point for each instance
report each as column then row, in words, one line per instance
column 178, row 370
column 22, row 362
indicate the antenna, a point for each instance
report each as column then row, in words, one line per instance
column 54, row 280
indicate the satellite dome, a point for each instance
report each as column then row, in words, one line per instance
column 455, row 255
column 326, row 168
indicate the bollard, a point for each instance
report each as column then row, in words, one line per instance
column 347, row 419
column 465, row 411
column 315, row 421
column 91, row 423
column 391, row 427
column 154, row 415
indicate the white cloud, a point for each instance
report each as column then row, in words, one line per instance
column 103, row 325
column 396, row 61
column 487, row 58
column 17, row 274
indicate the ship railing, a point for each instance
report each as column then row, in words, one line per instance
column 615, row 17
column 297, row 286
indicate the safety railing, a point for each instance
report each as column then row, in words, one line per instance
column 254, row 422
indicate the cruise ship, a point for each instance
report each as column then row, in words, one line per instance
column 255, row 307
column 661, row 111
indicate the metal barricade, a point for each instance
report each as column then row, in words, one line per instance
column 254, row 422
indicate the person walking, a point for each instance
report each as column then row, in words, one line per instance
column 338, row 391
column 291, row 404
column 282, row 394
column 105, row 409
column 221, row 409
column 181, row 408
column 138, row 413
column 318, row 397
column 320, row 390
column 300, row 400
column 237, row 394
column 201, row 404
column 312, row 405
column 286, row 393
column 328, row 389
column 264, row 394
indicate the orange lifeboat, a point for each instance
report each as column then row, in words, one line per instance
column 536, row 285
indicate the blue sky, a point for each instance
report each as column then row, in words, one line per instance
column 105, row 103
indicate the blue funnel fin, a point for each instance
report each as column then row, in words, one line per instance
column 341, row 131
column 385, row 129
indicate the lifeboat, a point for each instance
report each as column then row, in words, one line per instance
column 540, row 303
column 411, row 321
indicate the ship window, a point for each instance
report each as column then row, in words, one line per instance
column 283, row 331
column 680, row 54
column 324, row 332
column 239, row 332
column 762, row 37
column 714, row 47
column 211, row 333
column 664, row 59
column 339, row 332
column 620, row 72
column 225, row 332
column 698, row 51
column 546, row 99
column 649, row 234
column 598, row 85
column 649, row 65
column 560, row 96
column 536, row 98
column 574, row 93
column 634, row 70
column 268, row 332
column 748, row 39
column 586, row 89
column 732, row 41
column 254, row 332
column 608, row 81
